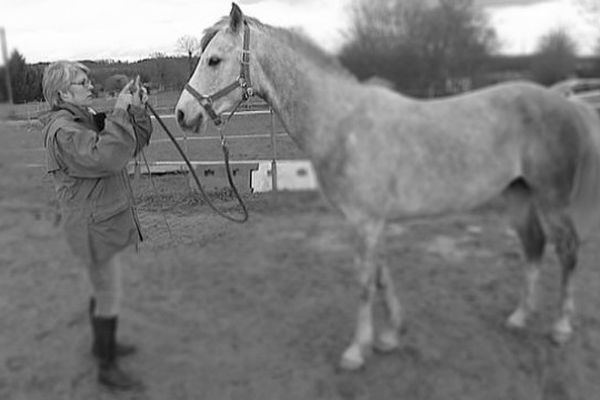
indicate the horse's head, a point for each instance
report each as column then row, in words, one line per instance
column 222, row 77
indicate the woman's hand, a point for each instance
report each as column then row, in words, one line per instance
column 125, row 98
column 140, row 94
column 134, row 93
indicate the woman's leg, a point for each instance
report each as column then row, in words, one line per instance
column 107, row 287
column 106, row 281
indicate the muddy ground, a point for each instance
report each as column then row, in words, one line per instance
column 263, row 310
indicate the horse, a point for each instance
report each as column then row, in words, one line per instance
column 380, row 156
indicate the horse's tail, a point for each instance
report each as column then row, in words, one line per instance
column 585, row 194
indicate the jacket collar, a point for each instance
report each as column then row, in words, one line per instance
column 80, row 114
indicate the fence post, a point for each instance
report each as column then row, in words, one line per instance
column 274, row 147
column 190, row 179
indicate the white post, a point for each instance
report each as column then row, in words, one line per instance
column 274, row 147
column 190, row 180
column 5, row 57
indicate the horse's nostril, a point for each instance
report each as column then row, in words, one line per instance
column 180, row 117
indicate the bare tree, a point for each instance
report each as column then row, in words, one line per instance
column 422, row 46
column 454, row 40
column 555, row 58
column 188, row 45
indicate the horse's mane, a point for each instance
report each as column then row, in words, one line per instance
column 210, row 32
column 296, row 40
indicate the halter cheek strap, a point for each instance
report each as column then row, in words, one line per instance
column 242, row 81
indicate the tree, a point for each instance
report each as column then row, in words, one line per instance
column 115, row 83
column 26, row 80
column 555, row 58
column 375, row 44
column 160, row 70
column 188, row 45
column 420, row 45
column 4, row 95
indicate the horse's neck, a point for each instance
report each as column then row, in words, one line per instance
column 300, row 92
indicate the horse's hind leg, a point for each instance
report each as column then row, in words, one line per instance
column 526, row 222
column 369, row 234
column 388, row 336
column 567, row 244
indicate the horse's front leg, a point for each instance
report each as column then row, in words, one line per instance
column 369, row 235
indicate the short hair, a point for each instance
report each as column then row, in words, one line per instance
column 58, row 77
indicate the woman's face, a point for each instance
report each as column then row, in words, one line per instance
column 79, row 92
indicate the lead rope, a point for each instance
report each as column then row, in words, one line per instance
column 155, row 189
column 225, row 149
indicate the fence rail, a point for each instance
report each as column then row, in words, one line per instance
column 163, row 103
column 255, row 138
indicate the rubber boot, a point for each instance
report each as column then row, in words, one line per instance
column 122, row 350
column 109, row 373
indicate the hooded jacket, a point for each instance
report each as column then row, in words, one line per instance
column 87, row 156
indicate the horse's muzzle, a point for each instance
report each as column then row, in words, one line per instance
column 188, row 125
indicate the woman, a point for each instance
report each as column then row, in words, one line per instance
column 87, row 155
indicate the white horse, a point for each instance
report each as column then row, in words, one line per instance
column 381, row 156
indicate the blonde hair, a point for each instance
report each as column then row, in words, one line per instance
column 58, row 77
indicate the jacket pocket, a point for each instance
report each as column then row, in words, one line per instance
column 106, row 211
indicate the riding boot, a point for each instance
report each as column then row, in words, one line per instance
column 109, row 372
column 122, row 350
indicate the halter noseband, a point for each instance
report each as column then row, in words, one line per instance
column 242, row 81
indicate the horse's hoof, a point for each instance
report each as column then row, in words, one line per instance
column 561, row 333
column 560, row 338
column 352, row 359
column 517, row 320
column 386, row 342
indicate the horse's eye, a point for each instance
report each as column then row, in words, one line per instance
column 213, row 61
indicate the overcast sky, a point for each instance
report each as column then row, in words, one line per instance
column 48, row 30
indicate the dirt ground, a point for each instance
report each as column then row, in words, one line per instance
column 263, row 310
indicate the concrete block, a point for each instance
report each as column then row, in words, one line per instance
column 291, row 175
column 213, row 177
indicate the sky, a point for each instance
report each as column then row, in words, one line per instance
column 129, row 30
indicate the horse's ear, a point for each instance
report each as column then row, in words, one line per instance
column 236, row 17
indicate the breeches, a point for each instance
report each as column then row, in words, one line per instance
column 106, row 281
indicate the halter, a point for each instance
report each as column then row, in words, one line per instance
column 242, row 81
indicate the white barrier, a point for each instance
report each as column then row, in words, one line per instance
column 291, row 175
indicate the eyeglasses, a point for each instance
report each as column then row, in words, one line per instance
column 83, row 82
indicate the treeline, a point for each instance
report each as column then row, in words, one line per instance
column 158, row 74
